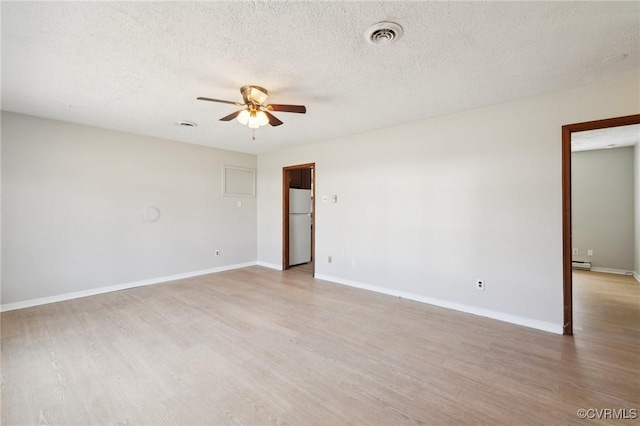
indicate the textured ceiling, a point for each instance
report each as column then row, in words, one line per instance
column 619, row 137
column 139, row 66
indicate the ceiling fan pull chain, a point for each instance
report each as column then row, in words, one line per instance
column 253, row 134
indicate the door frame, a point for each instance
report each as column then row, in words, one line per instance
column 567, row 130
column 286, row 180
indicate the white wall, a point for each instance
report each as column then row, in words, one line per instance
column 636, row 193
column 428, row 207
column 602, row 207
column 73, row 199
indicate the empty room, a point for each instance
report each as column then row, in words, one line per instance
column 320, row 213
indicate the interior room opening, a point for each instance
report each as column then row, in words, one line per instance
column 298, row 215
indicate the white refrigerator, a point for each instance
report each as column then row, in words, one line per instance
column 299, row 226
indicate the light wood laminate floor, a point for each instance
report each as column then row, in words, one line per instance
column 305, row 268
column 256, row 347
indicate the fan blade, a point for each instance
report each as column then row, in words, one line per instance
column 272, row 119
column 219, row 100
column 231, row 116
column 300, row 109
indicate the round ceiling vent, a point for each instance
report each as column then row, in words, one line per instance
column 383, row 33
column 187, row 123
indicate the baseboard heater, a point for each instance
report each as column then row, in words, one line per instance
column 578, row 264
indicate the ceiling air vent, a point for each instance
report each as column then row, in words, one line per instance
column 187, row 123
column 383, row 33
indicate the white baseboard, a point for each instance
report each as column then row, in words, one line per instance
column 611, row 271
column 117, row 287
column 636, row 276
column 514, row 319
column 270, row 265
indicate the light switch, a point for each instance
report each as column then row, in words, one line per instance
column 589, row 252
column 239, row 203
column 334, row 198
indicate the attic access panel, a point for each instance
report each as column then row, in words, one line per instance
column 238, row 182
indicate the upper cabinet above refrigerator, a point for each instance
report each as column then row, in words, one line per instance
column 300, row 179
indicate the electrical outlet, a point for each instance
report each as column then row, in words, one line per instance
column 575, row 251
column 217, row 252
column 589, row 252
column 354, row 263
column 329, row 259
column 480, row 284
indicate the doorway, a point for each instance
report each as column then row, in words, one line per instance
column 298, row 218
column 567, row 245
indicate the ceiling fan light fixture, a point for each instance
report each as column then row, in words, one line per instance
column 254, row 112
column 253, row 119
column 262, row 118
column 243, row 117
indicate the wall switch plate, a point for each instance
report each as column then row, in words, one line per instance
column 329, row 259
column 239, row 203
column 354, row 263
column 589, row 252
column 480, row 284
column 575, row 251
column 217, row 252
column 325, row 198
column 334, row 198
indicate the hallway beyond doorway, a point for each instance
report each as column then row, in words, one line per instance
column 607, row 308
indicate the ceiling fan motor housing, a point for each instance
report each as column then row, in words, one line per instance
column 254, row 94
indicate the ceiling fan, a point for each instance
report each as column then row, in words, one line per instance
column 255, row 113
